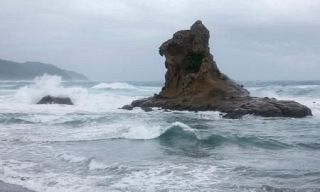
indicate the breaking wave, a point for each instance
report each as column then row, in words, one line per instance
column 48, row 85
column 24, row 98
column 180, row 132
column 175, row 133
column 114, row 85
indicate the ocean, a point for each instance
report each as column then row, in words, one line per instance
column 95, row 146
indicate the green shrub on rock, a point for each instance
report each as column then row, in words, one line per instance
column 192, row 62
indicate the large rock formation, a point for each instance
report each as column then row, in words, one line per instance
column 194, row 82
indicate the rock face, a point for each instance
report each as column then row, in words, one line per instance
column 55, row 100
column 194, row 82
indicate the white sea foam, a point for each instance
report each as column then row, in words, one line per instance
column 24, row 99
column 19, row 174
column 114, row 85
column 139, row 131
column 145, row 131
column 168, row 175
column 188, row 177
column 96, row 165
column 182, row 125
column 70, row 158
column 49, row 85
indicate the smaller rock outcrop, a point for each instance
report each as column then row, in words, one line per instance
column 55, row 100
column 127, row 107
column 194, row 82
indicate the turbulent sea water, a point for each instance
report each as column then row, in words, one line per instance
column 95, row 146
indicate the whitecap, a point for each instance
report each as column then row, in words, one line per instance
column 114, row 85
column 151, row 132
column 96, row 165
column 70, row 158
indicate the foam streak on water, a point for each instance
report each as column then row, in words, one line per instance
column 95, row 146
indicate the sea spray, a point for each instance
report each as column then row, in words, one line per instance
column 84, row 99
column 49, row 85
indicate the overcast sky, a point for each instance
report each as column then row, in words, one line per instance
column 118, row 40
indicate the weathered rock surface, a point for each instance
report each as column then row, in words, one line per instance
column 194, row 82
column 55, row 100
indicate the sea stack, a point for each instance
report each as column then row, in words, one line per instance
column 194, row 82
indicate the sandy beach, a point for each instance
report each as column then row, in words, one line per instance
column 5, row 187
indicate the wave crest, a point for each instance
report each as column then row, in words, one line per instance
column 179, row 132
column 114, row 85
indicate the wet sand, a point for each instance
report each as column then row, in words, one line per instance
column 5, row 187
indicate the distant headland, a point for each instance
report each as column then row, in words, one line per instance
column 10, row 70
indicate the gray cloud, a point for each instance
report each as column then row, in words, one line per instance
column 119, row 40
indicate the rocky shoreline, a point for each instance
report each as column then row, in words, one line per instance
column 194, row 82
